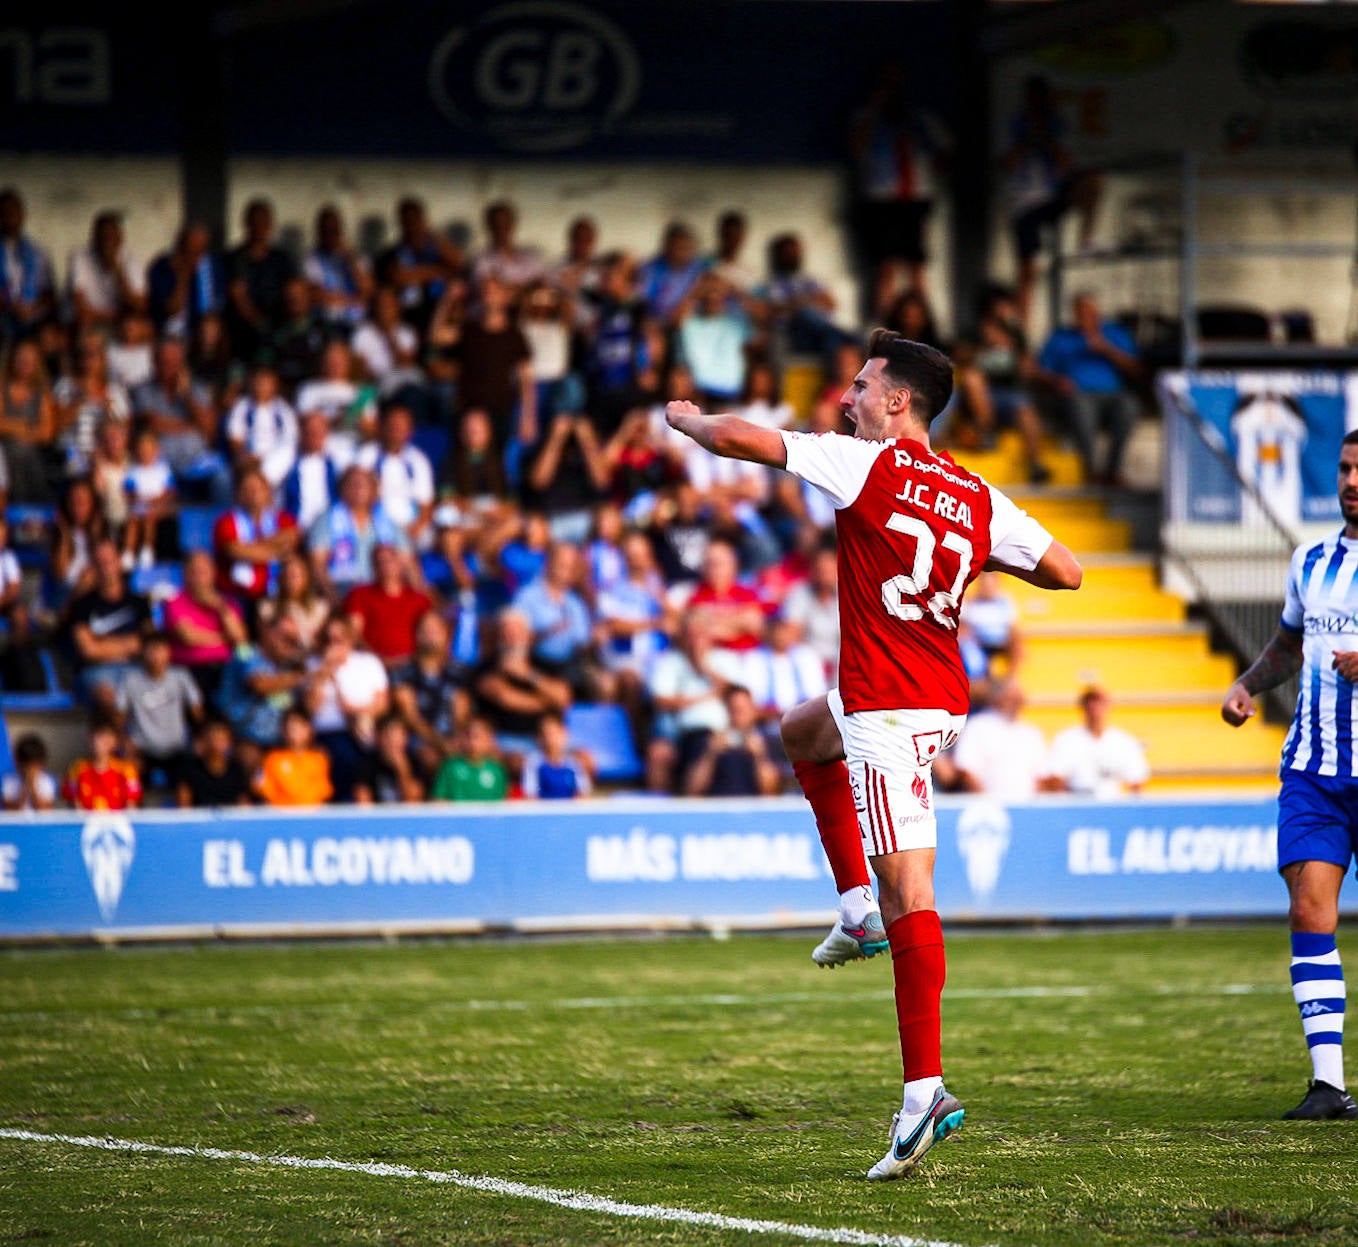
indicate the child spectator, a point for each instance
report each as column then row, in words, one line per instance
column 212, row 777
column 102, row 781
column 475, row 772
column 32, row 786
column 311, row 486
column 554, row 771
column 151, row 529
column 391, row 776
column 261, row 428
column 158, row 702
column 298, row 773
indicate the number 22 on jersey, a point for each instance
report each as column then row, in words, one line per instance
column 904, row 594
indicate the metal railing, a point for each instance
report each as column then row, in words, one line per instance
column 1236, row 563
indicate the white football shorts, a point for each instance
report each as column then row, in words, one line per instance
column 890, row 755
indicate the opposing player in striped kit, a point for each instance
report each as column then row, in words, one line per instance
column 1318, row 801
column 914, row 530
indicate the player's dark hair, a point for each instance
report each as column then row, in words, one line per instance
column 924, row 371
column 1350, row 438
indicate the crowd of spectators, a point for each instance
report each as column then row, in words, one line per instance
column 444, row 506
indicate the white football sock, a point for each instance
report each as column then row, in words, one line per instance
column 919, row 1094
column 855, row 905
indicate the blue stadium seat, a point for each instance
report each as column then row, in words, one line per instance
column 195, row 527
column 6, row 753
column 160, row 580
column 52, row 698
column 605, row 733
column 433, row 439
column 30, row 533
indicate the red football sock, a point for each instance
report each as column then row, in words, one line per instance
column 918, row 965
column 826, row 785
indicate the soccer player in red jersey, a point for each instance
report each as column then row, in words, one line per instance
column 914, row 530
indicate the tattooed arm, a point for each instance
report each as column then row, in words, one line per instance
column 1279, row 661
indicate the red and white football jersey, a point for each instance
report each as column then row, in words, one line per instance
column 914, row 530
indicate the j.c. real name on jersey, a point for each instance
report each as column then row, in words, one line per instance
column 944, row 504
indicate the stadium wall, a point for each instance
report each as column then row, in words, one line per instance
column 636, row 864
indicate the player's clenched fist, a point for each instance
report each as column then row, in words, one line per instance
column 1238, row 706
column 676, row 411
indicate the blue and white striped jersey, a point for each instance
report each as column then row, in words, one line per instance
column 1322, row 604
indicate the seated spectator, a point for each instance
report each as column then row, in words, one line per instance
column 107, row 628
column 311, row 486
column 780, row 674
column 732, row 612
column 421, row 265
column 680, row 534
column 631, row 611
column 405, row 479
column 346, row 692
column 991, row 613
column 428, row 692
column 800, row 306
column 732, row 231
column 106, row 280
column 340, row 279
column 186, row 283
column 562, row 628
column 912, row 315
column 261, row 429
column 686, row 696
column 567, row 476
column 637, row 465
column 299, row 338
column 79, row 524
column 204, row 625
column 181, row 410
column 258, row 684
column 252, row 539
column 31, row 786
column 27, row 295
column 1095, row 758
column 474, row 772
column 342, row 540
column 158, row 704
column 999, row 754
column 28, row 425
column 298, row 600
column 667, row 278
column 212, row 364
column 734, row 762
column 1092, row 366
column 512, row 692
column 212, row 777
column 257, row 273
column 760, row 402
column 734, row 491
column 390, row 776
column 712, row 333
column 475, row 469
column 813, row 607
column 386, row 611
column 298, row 773
column 83, row 401
column 514, row 267
column 553, row 771
column 109, row 468
column 102, row 781
column 350, row 408
column 132, row 352
column 152, row 531
column 387, row 347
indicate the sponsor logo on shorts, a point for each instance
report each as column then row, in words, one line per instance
column 921, row 790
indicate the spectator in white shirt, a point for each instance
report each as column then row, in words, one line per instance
column 311, row 487
column 1001, row 756
column 405, row 478
column 992, row 615
column 106, row 280
column 1096, row 759
column 511, row 265
column 262, row 428
column 388, row 346
column 351, row 409
column 341, row 282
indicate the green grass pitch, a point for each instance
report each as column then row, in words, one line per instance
column 1121, row 1088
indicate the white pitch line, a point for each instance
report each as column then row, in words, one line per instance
column 717, row 1000
column 579, row 1201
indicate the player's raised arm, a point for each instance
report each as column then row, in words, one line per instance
column 728, row 436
